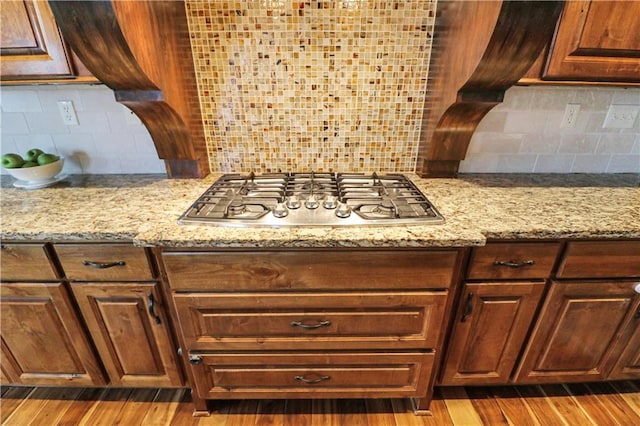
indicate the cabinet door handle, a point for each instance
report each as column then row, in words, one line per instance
column 311, row 381
column 151, row 306
column 102, row 265
column 468, row 308
column 514, row 264
column 195, row 359
column 310, row 327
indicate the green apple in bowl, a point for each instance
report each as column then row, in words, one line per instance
column 12, row 161
column 47, row 158
column 32, row 155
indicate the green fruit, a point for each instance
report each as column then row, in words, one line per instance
column 32, row 154
column 29, row 164
column 47, row 158
column 12, row 161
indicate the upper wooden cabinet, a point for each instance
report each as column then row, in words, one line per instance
column 31, row 46
column 595, row 41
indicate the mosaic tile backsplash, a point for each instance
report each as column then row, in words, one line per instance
column 311, row 85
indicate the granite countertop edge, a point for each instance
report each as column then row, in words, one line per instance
column 477, row 208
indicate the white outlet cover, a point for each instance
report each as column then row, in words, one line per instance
column 68, row 113
column 621, row 116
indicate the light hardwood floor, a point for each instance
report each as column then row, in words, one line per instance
column 616, row 403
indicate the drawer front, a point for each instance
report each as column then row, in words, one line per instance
column 104, row 262
column 513, row 261
column 300, row 375
column 287, row 321
column 26, row 262
column 310, row 270
column 601, row 259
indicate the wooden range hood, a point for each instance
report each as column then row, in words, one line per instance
column 141, row 49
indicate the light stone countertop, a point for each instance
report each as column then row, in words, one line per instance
column 145, row 208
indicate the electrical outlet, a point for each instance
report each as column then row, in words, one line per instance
column 68, row 113
column 621, row 116
column 570, row 116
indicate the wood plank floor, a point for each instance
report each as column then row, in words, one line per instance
column 615, row 403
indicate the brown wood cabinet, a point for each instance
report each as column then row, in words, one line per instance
column 577, row 333
column 123, row 308
column 595, row 41
column 310, row 323
column 129, row 328
column 496, row 312
column 31, row 46
column 490, row 328
column 43, row 340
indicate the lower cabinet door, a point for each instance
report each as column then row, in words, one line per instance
column 43, row 342
column 129, row 329
column 627, row 366
column 305, row 374
column 490, row 328
column 577, row 332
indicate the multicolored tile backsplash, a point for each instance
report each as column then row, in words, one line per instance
column 311, row 85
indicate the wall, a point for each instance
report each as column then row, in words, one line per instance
column 311, row 85
column 107, row 139
column 523, row 134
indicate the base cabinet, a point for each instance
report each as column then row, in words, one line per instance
column 129, row 329
column 43, row 342
column 490, row 328
column 578, row 332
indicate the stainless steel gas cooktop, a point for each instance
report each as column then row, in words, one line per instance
column 312, row 199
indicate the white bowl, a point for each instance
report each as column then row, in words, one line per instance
column 37, row 173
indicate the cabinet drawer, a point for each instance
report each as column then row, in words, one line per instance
column 601, row 259
column 26, row 262
column 310, row 321
column 513, row 260
column 104, row 262
column 300, row 375
column 310, row 270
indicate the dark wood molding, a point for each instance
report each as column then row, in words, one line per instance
column 480, row 49
column 141, row 50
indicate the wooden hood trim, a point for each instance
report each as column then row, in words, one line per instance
column 141, row 50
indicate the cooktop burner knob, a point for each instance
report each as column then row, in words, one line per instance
column 311, row 202
column 330, row 202
column 293, row 202
column 343, row 210
column 280, row 210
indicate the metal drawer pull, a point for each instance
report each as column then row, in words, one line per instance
column 195, row 359
column 469, row 308
column 513, row 264
column 102, row 265
column 311, row 382
column 151, row 306
column 310, row 327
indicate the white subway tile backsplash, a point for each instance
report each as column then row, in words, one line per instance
column 539, row 143
column 578, row 144
column 590, row 163
column 95, row 99
column 554, row 163
column 621, row 163
column 50, row 95
column 91, row 122
column 492, row 122
column 14, row 123
column 525, row 121
column 551, row 98
column 496, row 143
column 516, row 163
column 597, row 99
column 20, row 101
column 45, row 122
column 616, row 143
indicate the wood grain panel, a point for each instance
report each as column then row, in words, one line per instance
column 42, row 339
column 264, row 270
column 512, row 261
column 135, row 349
column 352, row 320
column 577, row 327
column 484, row 347
column 350, row 375
column 600, row 259
column 106, row 262
column 26, row 262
